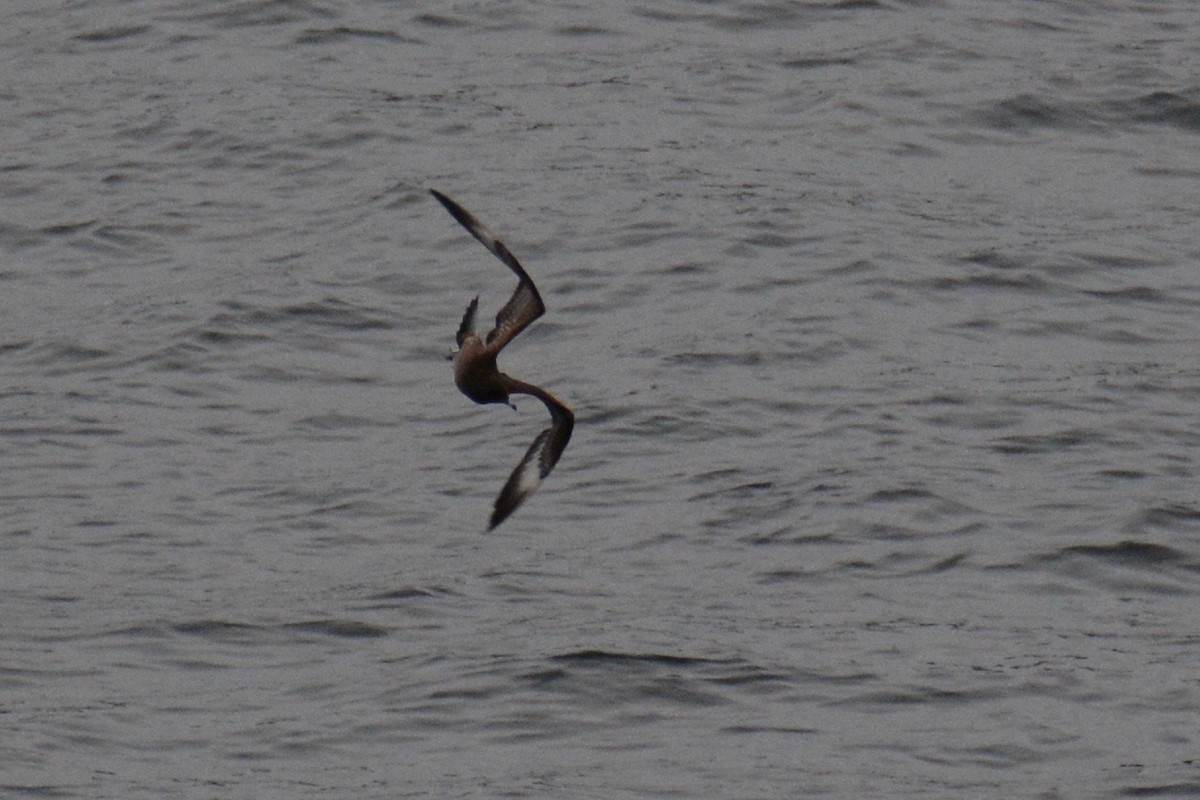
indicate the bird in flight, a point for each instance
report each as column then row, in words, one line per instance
column 476, row 374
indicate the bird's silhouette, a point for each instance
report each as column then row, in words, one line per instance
column 478, row 377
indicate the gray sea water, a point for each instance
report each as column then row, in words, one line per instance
column 881, row 322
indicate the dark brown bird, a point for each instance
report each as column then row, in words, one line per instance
column 476, row 374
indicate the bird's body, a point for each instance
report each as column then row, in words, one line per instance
column 476, row 374
column 478, row 377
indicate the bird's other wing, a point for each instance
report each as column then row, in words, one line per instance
column 467, row 327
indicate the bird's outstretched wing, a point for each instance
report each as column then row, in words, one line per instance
column 526, row 304
column 539, row 459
